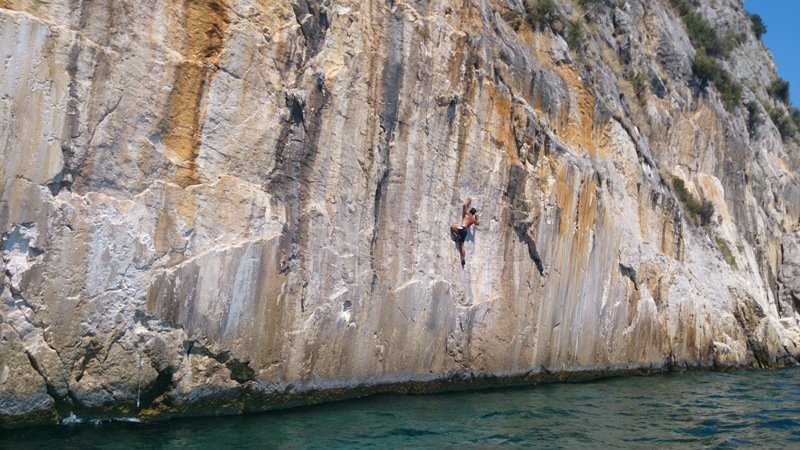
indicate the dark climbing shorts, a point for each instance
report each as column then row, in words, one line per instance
column 462, row 234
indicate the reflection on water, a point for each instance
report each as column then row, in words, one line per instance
column 744, row 409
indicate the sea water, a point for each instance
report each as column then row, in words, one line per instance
column 680, row 410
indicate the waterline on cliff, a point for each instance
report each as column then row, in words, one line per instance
column 72, row 419
column 689, row 409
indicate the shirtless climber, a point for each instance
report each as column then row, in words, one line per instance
column 469, row 217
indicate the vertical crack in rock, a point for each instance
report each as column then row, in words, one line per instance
column 533, row 254
column 49, row 387
column 62, row 400
column 19, row 254
column 71, row 128
column 206, row 23
column 748, row 314
column 297, row 145
column 90, row 352
column 795, row 304
column 296, row 102
column 515, row 192
column 465, row 50
column 788, row 281
column 784, row 306
column 672, row 243
column 312, row 16
column 88, row 106
column 295, row 156
column 107, row 112
column 303, row 293
column 629, row 273
column 56, row 385
column 391, row 85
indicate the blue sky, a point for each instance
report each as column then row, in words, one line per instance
column 782, row 18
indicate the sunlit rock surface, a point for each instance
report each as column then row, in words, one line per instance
column 214, row 206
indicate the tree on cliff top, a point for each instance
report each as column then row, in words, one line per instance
column 759, row 28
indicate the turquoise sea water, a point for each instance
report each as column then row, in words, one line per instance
column 687, row 410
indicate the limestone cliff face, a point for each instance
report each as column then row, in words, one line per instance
column 221, row 206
